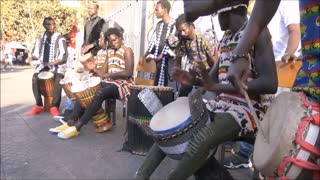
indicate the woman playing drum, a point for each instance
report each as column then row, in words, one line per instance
column 229, row 110
column 119, row 63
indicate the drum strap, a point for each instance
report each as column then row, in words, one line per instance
column 314, row 119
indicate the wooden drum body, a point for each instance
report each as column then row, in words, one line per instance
column 46, row 86
column 101, row 121
column 67, row 86
column 86, row 96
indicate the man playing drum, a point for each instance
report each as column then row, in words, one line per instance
column 119, row 64
column 50, row 50
column 307, row 81
column 197, row 45
column 229, row 110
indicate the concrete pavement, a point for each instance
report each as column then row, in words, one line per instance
column 30, row 151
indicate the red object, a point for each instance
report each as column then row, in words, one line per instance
column 72, row 36
column 36, row 110
column 54, row 111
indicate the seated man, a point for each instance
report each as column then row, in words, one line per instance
column 229, row 110
column 196, row 45
column 50, row 50
column 119, row 63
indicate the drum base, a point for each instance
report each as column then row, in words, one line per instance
column 101, row 122
column 138, row 142
column 47, row 103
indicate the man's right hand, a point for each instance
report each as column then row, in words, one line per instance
column 238, row 73
column 141, row 60
column 182, row 76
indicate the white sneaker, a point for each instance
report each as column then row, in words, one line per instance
column 68, row 133
column 59, row 128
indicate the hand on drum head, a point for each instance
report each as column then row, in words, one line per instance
column 90, row 64
column 182, row 76
column 289, row 57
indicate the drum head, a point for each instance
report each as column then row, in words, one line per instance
column 94, row 81
column 85, row 57
column 280, row 123
column 171, row 115
column 45, row 75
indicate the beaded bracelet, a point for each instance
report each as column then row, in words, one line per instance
column 237, row 56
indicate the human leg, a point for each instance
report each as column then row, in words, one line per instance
column 77, row 112
column 150, row 163
column 36, row 89
column 57, row 90
column 109, row 91
column 199, row 146
column 212, row 170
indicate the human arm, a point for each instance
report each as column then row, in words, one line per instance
column 263, row 12
column 265, row 83
column 94, row 38
column 293, row 43
column 35, row 53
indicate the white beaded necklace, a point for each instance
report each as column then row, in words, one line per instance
column 157, row 43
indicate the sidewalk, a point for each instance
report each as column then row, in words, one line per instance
column 30, row 151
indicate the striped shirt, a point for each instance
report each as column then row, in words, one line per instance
column 116, row 63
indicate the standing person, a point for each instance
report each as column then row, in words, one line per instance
column 231, row 115
column 119, row 64
column 307, row 79
column 285, row 30
column 197, row 45
column 9, row 53
column 158, row 47
column 50, row 50
column 92, row 30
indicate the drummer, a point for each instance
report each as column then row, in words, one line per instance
column 50, row 51
column 119, row 63
column 197, row 45
column 229, row 110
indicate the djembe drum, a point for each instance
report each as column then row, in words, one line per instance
column 46, row 86
column 174, row 125
column 146, row 73
column 85, row 96
column 138, row 142
column 67, row 86
column 287, row 73
column 292, row 150
column 101, row 121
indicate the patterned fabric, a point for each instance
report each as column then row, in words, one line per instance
column 203, row 45
column 158, row 45
column 100, row 58
column 308, row 78
column 116, row 63
column 58, row 50
column 235, row 104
